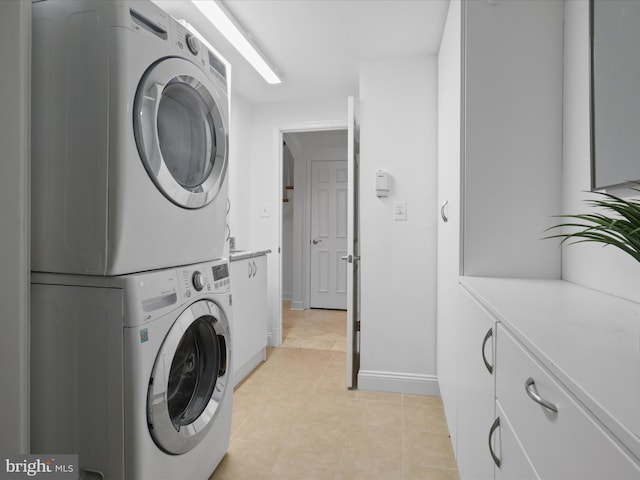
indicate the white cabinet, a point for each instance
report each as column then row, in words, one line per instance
column 511, row 136
column 562, row 439
column 565, row 407
column 475, row 387
column 448, row 258
column 249, row 297
column 499, row 141
column 513, row 461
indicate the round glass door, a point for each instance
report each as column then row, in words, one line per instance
column 180, row 127
column 189, row 378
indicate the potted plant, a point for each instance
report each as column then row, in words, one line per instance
column 621, row 228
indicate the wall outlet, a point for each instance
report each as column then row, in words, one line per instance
column 399, row 211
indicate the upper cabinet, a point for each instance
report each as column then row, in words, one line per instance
column 500, row 135
column 512, row 89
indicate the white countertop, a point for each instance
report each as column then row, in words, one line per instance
column 236, row 255
column 589, row 340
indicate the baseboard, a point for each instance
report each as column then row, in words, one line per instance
column 297, row 305
column 273, row 338
column 395, row 382
column 248, row 367
column 287, row 296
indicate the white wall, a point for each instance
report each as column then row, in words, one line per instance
column 605, row 269
column 15, row 81
column 258, row 177
column 239, row 155
column 398, row 126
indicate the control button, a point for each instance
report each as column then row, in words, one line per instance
column 187, row 294
column 198, row 282
column 193, row 43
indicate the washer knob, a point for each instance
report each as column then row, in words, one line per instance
column 193, row 43
column 198, row 282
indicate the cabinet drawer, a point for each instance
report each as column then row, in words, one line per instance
column 514, row 463
column 568, row 444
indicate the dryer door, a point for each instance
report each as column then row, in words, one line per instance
column 180, row 126
column 189, row 379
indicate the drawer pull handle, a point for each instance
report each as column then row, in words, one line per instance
column 484, row 344
column 445, row 219
column 530, row 387
column 494, row 427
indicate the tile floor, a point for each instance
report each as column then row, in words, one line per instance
column 317, row 329
column 294, row 419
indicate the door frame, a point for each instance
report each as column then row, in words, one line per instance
column 295, row 127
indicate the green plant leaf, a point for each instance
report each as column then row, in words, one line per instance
column 621, row 229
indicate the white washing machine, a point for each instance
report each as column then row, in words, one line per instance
column 130, row 119
column 133, row 373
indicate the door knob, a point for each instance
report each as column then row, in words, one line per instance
column 315, row 241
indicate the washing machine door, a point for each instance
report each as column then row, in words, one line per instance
column 180, row 125
column 189, row 379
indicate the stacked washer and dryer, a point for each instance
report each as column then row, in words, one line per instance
column 131, row 347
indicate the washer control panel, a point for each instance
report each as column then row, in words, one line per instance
column 210, row 277
column 221, row 276
column 197, row 280
column 150, row 295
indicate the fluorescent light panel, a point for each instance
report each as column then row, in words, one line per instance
column 223, row 21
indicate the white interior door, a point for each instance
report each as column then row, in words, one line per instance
column 328, row 234
column 353, row 243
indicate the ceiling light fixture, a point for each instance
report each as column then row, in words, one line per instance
column 222, row 19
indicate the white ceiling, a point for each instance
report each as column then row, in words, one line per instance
column 317, row 45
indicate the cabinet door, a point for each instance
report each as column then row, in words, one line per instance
column 514, row 463
column 449, row 81
column 513, row 142
column 258, row 300
column 241, row 304
column 249, row 332
column 476, row 387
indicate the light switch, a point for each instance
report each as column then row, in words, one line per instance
column 399, row 211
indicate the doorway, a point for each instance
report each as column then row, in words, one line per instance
column 305, row 148
column 314, row 275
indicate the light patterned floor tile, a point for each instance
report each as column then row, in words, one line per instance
column 422, row 400
column 299, row 464
column 428, row 449
column 294, row 418
column 424, row 418
column 247, row 461
column 421, row 472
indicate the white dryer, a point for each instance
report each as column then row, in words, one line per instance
column 130, row 119
column 133, row 373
